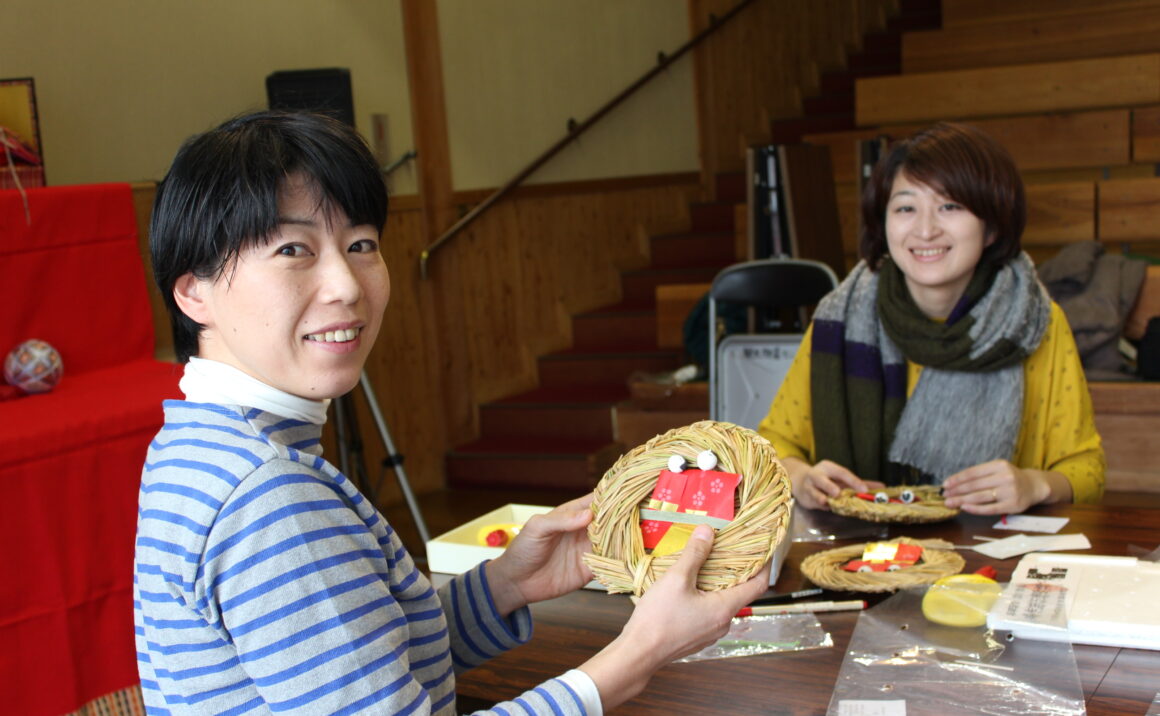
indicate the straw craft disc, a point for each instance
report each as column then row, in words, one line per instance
column 938, row 560
column 928, row 506
column 762, row 508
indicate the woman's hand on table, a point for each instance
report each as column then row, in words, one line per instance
column 672, row 619
column 543, row 561
column 1000, row 488
column 813, row 485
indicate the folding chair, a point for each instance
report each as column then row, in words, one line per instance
column 746, row 370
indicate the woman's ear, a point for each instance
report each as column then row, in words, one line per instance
column 188, row 294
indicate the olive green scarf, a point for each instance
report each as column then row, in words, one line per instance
column 968, row 404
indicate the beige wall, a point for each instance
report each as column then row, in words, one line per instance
column 121, row 83
column 516, row 70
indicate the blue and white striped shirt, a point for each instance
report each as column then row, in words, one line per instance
column 265, row 582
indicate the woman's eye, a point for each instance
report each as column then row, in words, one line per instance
column 950, row 206
column 364, row 246
column 292, row 250
column 903, row 209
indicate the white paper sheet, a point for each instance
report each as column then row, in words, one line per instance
column 1031, row 523
column 1016, row 545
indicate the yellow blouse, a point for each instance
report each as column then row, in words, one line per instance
column 1058, row 430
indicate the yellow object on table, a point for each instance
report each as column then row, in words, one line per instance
column 961, row 600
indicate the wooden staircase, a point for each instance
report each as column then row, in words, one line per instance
column 832, row 109
column 563, row 435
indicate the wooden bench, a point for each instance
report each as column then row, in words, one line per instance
column 1100, row 32
column 1010, row 90
column 1036, row 142
column 960, row 13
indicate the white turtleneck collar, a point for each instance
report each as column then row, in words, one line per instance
column 210, row 381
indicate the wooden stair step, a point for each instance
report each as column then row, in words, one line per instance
column 582, row 368
column 531, row 464
column 626, row 327
column 680, row 250
column 829, row 103
column 715, row 215
column 638, row 288
column 577, row 412
column 791, row 131
column 917, row 15
column 730, row 186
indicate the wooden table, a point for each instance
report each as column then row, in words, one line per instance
column 572, row 628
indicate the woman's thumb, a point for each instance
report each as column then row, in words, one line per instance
column 695, row 553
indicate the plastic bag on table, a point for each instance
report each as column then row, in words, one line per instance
column 824, row 526
column 749, row 636
column 896, row 654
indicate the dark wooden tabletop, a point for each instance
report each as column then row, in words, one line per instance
column 571, row 629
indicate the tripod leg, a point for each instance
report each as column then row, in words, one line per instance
column 395, row 460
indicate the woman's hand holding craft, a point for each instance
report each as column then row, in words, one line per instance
column 543, row 561
column 999, row 488
column 672, row 619
column 813, row 485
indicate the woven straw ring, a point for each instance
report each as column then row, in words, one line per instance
column 761, row 509
column 928, row 506
column 939, row 559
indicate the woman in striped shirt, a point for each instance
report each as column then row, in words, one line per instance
column 264, row 581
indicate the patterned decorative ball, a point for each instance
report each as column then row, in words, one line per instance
column 33, row 366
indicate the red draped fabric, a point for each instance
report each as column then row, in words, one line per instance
column 70, row 460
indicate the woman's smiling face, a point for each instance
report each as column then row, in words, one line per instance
column 301, row 311
column 935, row 241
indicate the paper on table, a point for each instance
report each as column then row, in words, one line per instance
column 1022, row 544
column 1030, row 523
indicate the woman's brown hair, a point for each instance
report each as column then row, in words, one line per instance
column 964, row 164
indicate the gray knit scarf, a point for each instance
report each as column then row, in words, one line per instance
column 968, row 404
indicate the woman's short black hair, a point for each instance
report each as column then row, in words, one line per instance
column 221, row 195
column 966, row 165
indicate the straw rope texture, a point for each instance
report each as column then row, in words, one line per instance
column 761, row 516
column 928, row 506
column 938, row 560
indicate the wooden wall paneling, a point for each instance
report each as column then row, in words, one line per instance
column 405, row 368
column 1101, row 32
column 811, row 204
column 1059, row 214
column 507, row 287
column 1128, row 419
column 1018, row 89
column 1128, row 209
column 959, row 13
column 1146, row 134
column 849, row 206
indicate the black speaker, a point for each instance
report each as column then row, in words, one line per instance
column 326, row 91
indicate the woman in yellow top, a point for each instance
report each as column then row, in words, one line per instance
column 940, row 358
